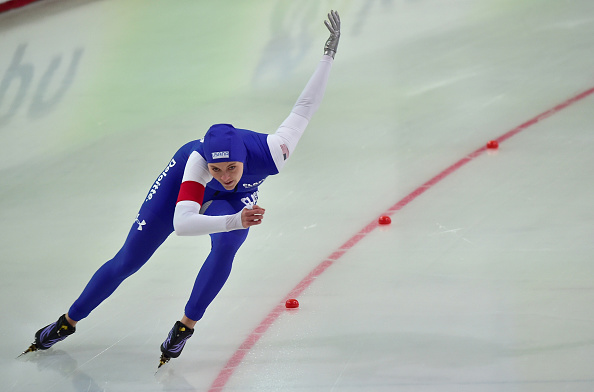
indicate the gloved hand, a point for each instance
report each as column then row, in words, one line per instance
column 334, row 27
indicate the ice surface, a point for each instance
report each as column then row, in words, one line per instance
column 482, row 283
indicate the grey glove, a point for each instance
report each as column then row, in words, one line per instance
column 334, row 27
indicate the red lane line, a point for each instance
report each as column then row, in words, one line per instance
column 235, row 360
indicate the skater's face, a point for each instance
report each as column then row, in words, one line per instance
column 227, row 173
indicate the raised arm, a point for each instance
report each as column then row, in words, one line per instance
column 284, row 141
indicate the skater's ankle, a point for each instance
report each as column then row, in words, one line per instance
column 188, row 322
column 71, row 321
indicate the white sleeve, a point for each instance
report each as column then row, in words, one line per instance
column 187, row 219
column 284, row 141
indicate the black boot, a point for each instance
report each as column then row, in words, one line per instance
column 53, row 333
column 175, row 342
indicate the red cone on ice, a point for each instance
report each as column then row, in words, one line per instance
column 384, row 220
column 493, row 145
column 292, row 303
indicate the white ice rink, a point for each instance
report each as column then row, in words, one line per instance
column 483, row 282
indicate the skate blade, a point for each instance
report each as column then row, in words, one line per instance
column 162, row 361
column 32, row 348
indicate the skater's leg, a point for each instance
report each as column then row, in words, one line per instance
column 217, row 266
column 138, row 248
column 212, row 276
column 154, row 223
column 214, row 272
column 209, row 282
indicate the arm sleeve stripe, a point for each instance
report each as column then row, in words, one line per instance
column 191, row 190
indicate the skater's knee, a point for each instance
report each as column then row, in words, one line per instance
column 229, row 242
column 121, row 267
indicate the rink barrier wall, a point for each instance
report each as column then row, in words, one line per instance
column 236, row 359
column 13, row 4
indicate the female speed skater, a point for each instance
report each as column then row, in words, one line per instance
column 210, row 186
